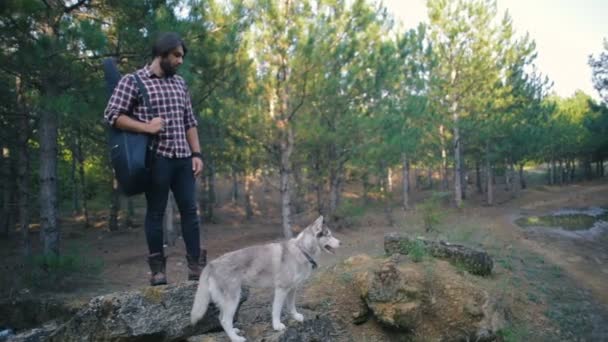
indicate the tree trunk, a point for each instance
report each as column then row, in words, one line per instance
column 444, row 160
column 430, row 177
column 389, row 179
column 50, row 230
column 406, row 181
column 386, row 195
column 6, row 193
column 335, row 182
column 299, row 200
column 23, row 173
column 573, row 171
column 489, row 177
column 508, row 176
column 114, row 207
column 366, row 187
column 463, row 177
column 522, row 179
column 318, row 185
column 285, row 173
column 588, row 173
column 200, row 190
column 248, row 195
column 516, row 181
column 478, row 177
column 83, row 183
column 207, row 198
column 234, row 193
column 457, row 159
column 75, row 185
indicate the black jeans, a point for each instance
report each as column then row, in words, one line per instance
column 173, row 174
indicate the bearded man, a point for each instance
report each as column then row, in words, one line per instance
column 175, row 155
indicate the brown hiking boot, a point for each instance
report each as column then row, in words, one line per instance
column 195, row 267
column 157, row 264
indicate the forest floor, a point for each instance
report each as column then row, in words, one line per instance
column 554, row 286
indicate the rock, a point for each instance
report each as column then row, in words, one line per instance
column 475, row 261
column 361, row 315
column 315, row 329
column 429, row 299
column 37, row 334
column 160, row 313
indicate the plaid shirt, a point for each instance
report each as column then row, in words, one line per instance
column 169, row 97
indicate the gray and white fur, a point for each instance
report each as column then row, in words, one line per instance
column 283, row 266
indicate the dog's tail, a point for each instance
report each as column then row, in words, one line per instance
column 201, row 300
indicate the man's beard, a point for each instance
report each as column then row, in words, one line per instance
column 167, row 68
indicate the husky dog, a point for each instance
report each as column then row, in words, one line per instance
column 283, row 266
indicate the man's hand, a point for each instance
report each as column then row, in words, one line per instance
column 197, row 166
column 156, row 125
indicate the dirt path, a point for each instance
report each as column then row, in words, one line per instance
column 585, row 259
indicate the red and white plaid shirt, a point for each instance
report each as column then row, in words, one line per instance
column 169, row 97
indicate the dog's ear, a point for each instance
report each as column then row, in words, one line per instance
column 317, row 226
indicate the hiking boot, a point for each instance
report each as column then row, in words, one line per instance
column 195, row 266
column 157, row 264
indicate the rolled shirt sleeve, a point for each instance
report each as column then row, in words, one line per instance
column 189, row 119
column 122, row 99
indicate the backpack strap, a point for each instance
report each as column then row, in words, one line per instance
column 144, row 92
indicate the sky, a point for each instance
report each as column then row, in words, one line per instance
column 566, row 32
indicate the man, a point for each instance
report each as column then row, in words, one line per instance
column 175, row 151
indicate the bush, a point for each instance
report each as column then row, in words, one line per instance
column 348, row 212
column 54, row 272
column 431, row 210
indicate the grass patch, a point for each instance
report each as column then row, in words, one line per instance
column 346, row 277
column 431, row 210
column 571, row 309
column 414, row 249
column 60, row 272
column 514, row 333
column 349, row 212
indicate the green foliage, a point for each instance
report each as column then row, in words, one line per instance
column 514, row 333
column 415, row 249
column 431, row 210
column 418, row 251
column 599, row 67
column 346, row 277
column 60, row 272
column 350, row 211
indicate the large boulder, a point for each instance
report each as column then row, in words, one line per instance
column 475, row 261
column 429, row 299
column 160, row 313
column 314, row 328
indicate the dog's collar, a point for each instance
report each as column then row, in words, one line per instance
column 309, row 258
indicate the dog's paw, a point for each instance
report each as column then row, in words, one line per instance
column 238, row 339
column 278, row 327
column 298, row 317
column 236, row 330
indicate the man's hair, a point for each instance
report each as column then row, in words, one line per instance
column 165, row 43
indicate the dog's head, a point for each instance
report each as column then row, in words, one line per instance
column 323, row 236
